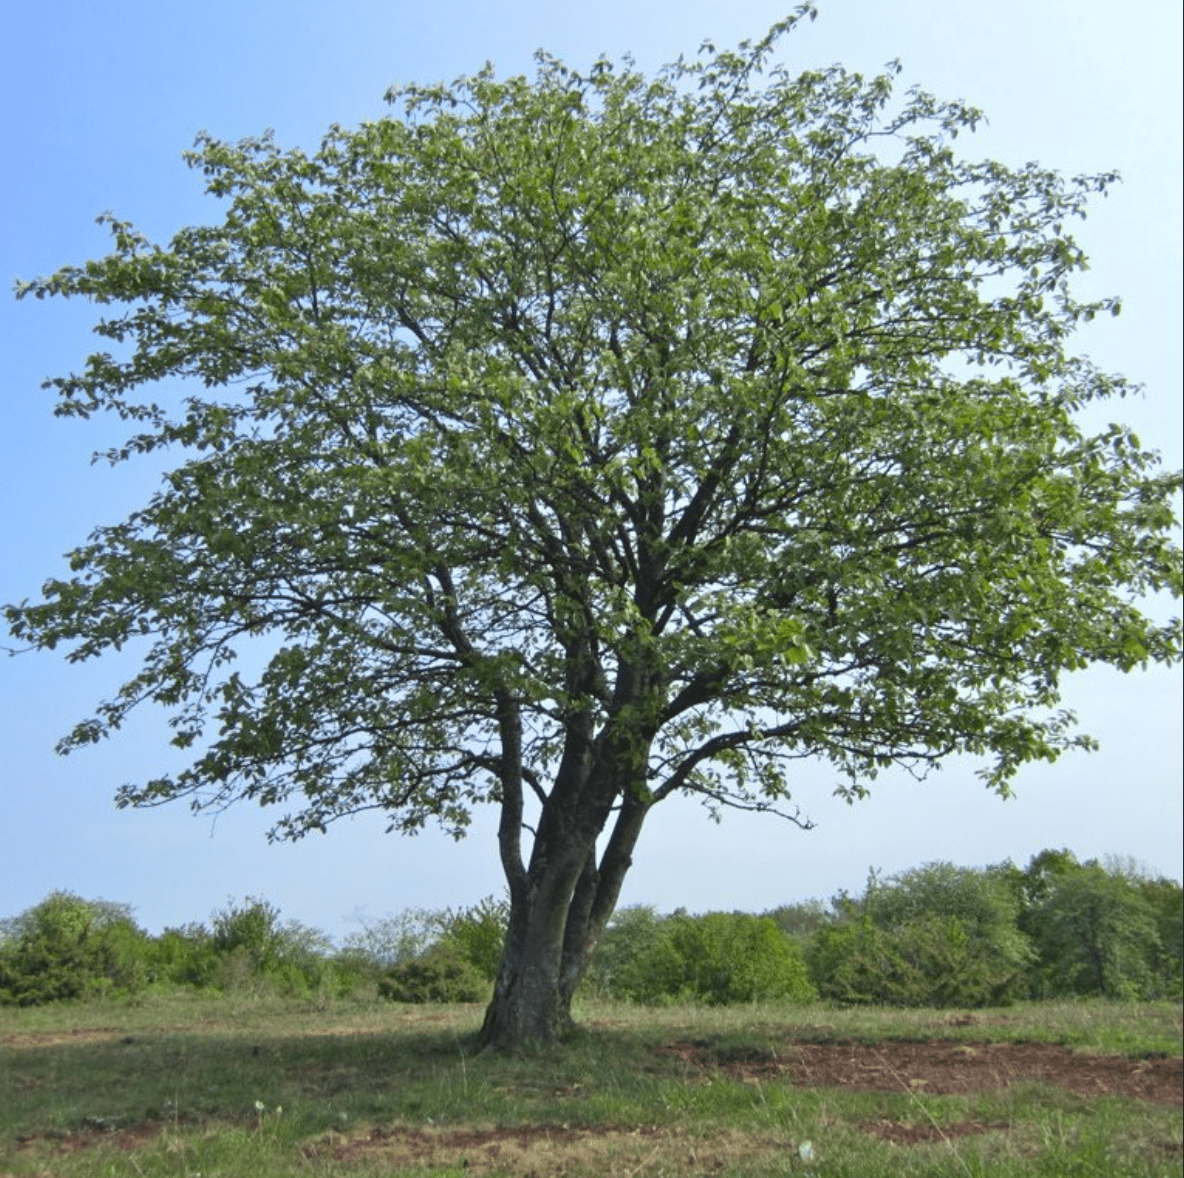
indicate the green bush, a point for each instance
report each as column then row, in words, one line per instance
column 930, row 961
column 1165, row 898
column 630, row 937
column 443, row 974
column 938, row 935
column 980, row 899
column 397, row 939
column 67, row 947
column 720, row 958
column 479, row 933
column 802, row 920
column 250, row 929
column 185, row 957
column 254, row 950
column 729, row 958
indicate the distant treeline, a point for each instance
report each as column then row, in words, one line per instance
column 938, row 935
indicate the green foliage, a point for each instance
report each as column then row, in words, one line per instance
column 479, row 933
column 734, row 957
column 426, row 955
column 475, row 933
column 935, row 936
column 931, row 961
column 442, row 974
column 1099, row 932
column 938, row 935
column 635, row 936
column 251, row 929
column 397, row 939
column 1165, row 897
column 803, row 919
column 254, row 948
column 978, row 901
column 67, row 947
column 719, row 958
column 185, row 956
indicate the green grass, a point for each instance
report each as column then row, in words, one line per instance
column 170, row 1086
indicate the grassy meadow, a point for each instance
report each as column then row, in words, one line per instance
column 250, row 1084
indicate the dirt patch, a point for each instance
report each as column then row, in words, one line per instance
column 536, row 1150
column 54, row 1038
column 942, row 1067
column 93, row 1132
column 900, row 1134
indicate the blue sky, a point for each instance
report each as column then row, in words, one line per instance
column 100, row 100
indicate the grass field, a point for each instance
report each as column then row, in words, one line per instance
column 256, row 1086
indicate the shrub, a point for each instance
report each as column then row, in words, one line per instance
column 252, row 949
column 397, row 939
column 728, row 958
column 1165, row 898
column 185, row 956
column 720, row 958
column 442, row 974
column 938, row 935
column 425, row 952
column 930, row 961
column 980, row 899
column 479, row 933
column 67, row 947
column 633, row 940
column 802, row 920
column 251, row 929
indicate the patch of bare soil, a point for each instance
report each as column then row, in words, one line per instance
column 537, row 1150
column 92, row 1133
column 942, row 1067
column 54, row 1038
column 900, row 1134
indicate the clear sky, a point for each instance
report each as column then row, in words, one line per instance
column 99, row 101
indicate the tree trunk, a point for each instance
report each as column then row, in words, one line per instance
column 561, row 902
column 553, row 933
column 530, row 1002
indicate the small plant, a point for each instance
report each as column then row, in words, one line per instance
column 262, row 1115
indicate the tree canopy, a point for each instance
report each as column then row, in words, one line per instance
column 576, row 443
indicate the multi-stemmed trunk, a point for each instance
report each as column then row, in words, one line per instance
column 558, row 910
column 562, row 897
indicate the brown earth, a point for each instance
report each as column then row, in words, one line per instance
column 942, row 1067
column 544, row 1151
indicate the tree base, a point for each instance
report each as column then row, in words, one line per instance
column 520, row 1021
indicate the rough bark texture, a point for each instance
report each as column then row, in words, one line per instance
column 560, row 904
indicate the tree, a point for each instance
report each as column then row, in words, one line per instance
column 1108, row 929
column 1096, row 934
column 576, row 444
